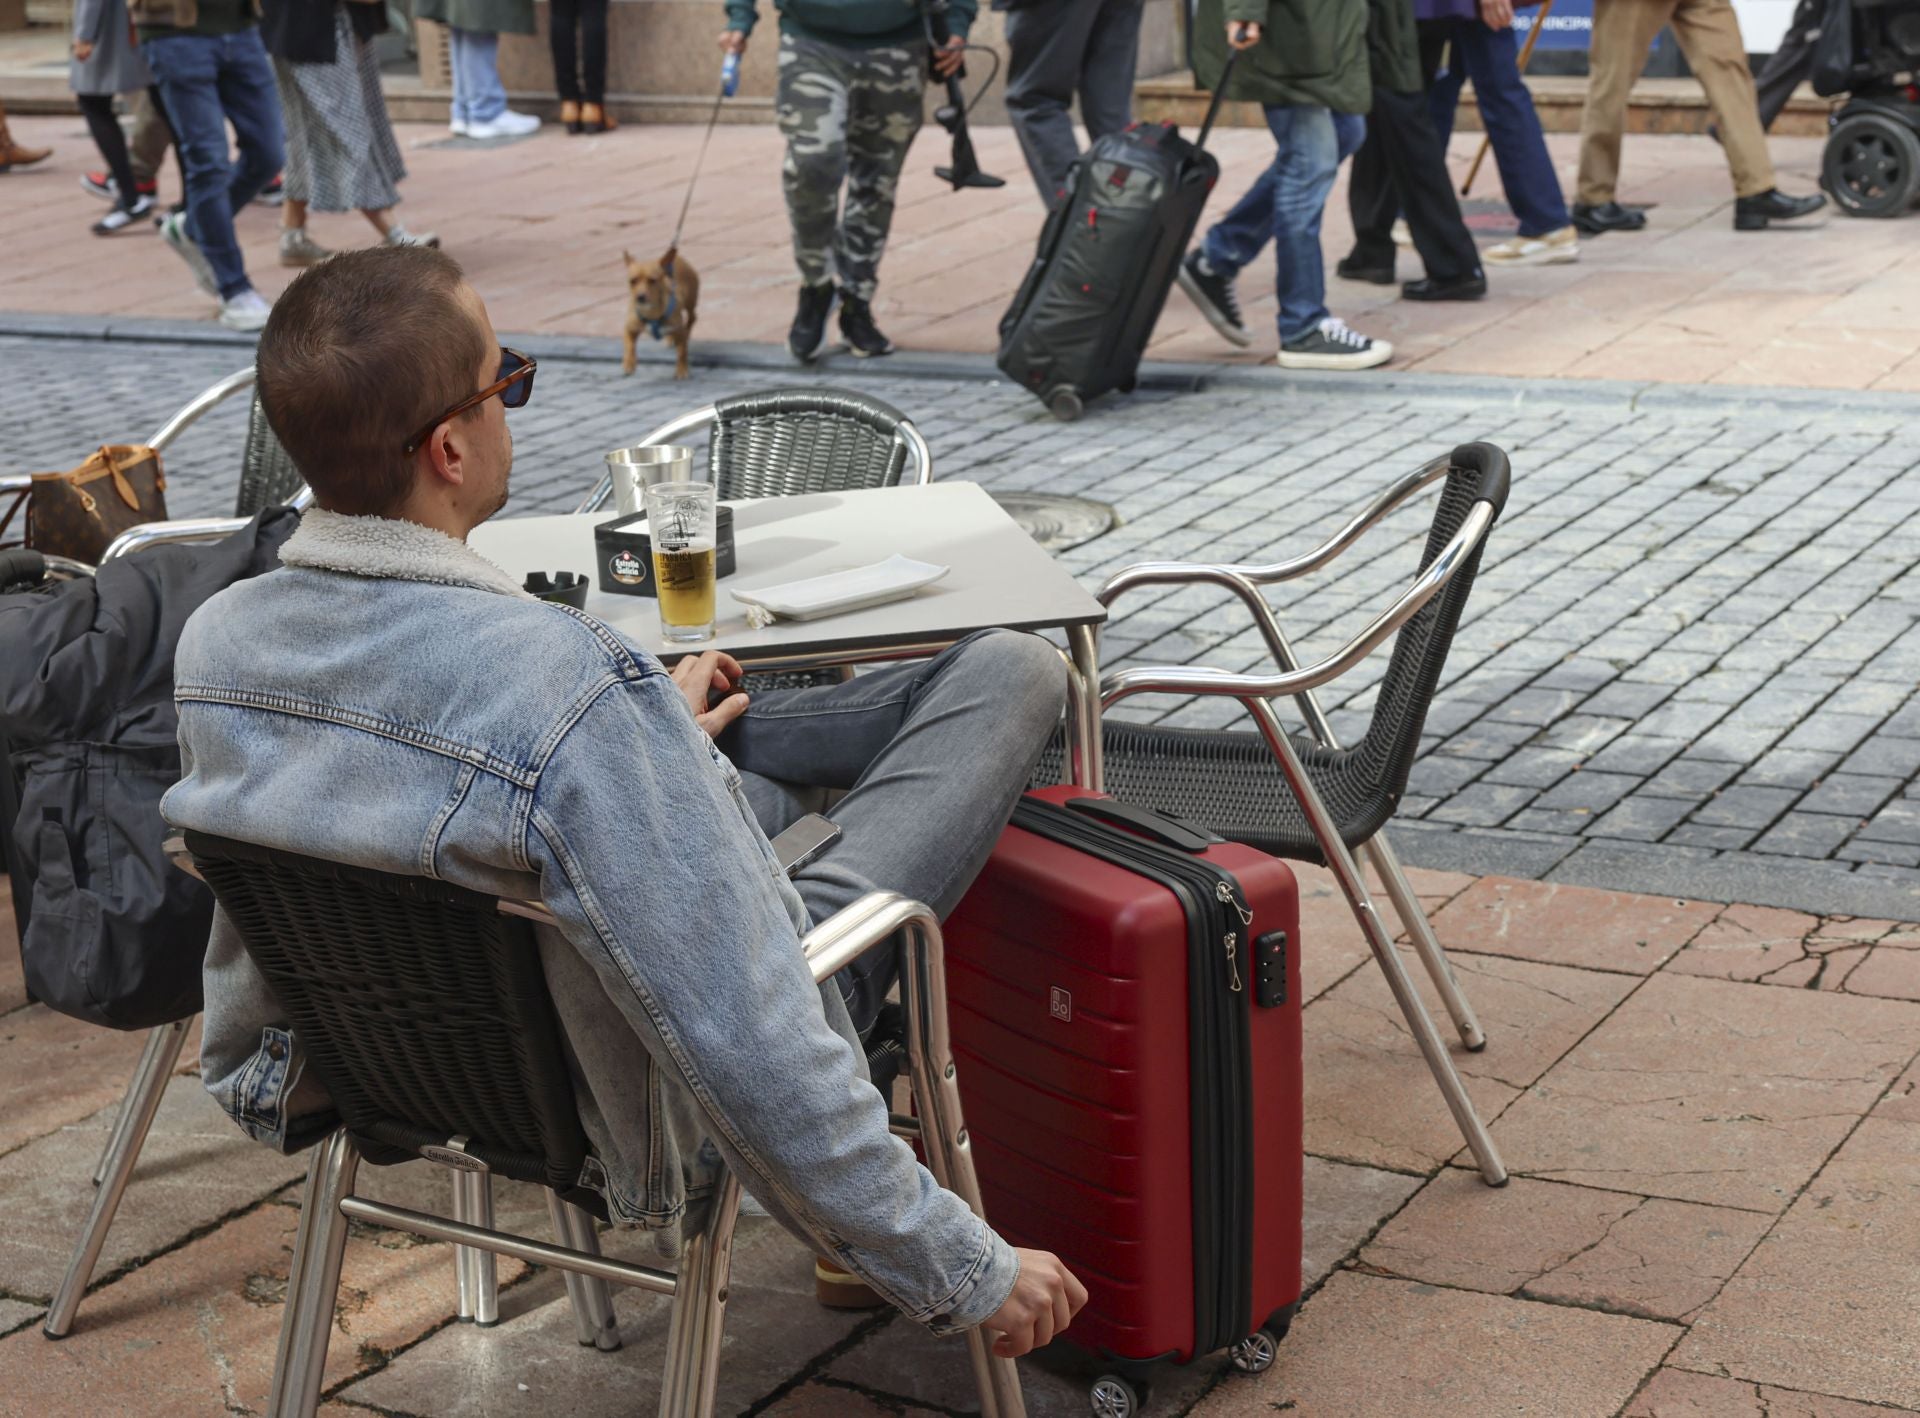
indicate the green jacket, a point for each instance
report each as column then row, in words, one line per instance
column 855, row 24
column 1329, row 52
column 483, row 16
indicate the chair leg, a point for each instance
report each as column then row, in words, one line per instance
column 1347, row 873
column 690, row 1382
column 313, row 1283
column 475, row 1270
column 590, row 1296
column 116, row 1168
column 1406, row 905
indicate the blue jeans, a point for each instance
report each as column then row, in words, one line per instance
column 478, row 94
column 206, row 82
column 1490, row 59
column 1285, row 205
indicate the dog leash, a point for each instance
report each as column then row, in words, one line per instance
column 729, row 81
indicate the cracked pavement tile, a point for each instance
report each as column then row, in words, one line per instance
column 1570, row 925
column 1675, row 1393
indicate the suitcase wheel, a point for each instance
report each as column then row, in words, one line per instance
column 1255, row 1354
column 1111, row 1396
column 1064, row 404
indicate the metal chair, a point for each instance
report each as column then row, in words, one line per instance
column 388, row 978
column 789, row 441
column 267, row 478
column 1307, row 798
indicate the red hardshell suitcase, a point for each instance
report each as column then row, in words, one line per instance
column 1125, row 1013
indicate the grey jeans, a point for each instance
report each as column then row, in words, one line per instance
column 1056, row 48
column 933, row 755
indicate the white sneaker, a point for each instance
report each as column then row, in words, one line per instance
column 1331, row 345
column 1556, row 248
column 458, row 127
column 173, row 231
column 507, row 124
column 1403, row 235
column 120, row 218
column 398, row 235
column 299, row 249
column 246, row 311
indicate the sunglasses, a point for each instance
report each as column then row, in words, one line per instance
column 514, row 386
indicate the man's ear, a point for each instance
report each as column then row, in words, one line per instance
column 444, row 460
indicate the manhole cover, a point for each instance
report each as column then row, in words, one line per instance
column 1057, row 522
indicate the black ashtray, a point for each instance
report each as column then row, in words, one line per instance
column 566, row 588
column 625, row 555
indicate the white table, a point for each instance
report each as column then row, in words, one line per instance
column 999, row 577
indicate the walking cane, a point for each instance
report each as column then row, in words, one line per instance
column 1526, row 53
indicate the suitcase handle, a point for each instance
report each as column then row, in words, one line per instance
column 1162, row 828
column 1219, row 93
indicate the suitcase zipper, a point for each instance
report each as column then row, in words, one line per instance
column 1221, row 1091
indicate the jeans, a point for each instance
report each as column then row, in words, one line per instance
column 474, row 58
column 1286, row 204
column 207, row 82
column 1059, row 48
column 935, row 753
column 1491, row 59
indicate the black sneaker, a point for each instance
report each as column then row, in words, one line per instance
column 1213, row 294
column 863, row 336
column 809, row 333
column 1331, row 345
column 274, row 193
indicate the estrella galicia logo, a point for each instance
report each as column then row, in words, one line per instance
column 627, row 569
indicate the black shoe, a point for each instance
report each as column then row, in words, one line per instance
column 863, row 336
column 1213, row 294
column 1607, row 216
column 1354, row 268
column 1773, row 205
column 1470, row 287
column 809, row 333
column 274, row 193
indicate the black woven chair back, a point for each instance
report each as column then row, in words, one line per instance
column 1228, row 780
column 268, row 477
column 422, row 1008
column 790, row 441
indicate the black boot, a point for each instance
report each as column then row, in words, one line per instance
column 1772, row 205
column 863, row 336
column 1601, row 217
column 1471, row 286
column 809, row 333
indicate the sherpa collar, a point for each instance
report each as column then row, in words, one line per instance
column 390, row 547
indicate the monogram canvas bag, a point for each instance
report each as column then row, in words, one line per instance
column 78, row 514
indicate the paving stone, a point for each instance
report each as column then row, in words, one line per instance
column 1896, row 822
column 1583, row 733
column 1807, row 834
column 1344, row 1206
column 1890, row 970
column 1564, row 925
column 1851, row 794
column 1902, row 1103
column 1746, row 807
column 1441, row 776
column 1588, row 791
column 1482, row 804
column 1825, row 1303
column 1831, row 730
column 195, row 1168
column 1885, row 755
column 1369, row 1096
column 59, row 1071
column 17, row 1314
column 1710, row 1091
column 819, row 1400
column 1675, row 1393
column 1879, row 853
column 1533, row 767
column 1734, row 743
column 1694, row 834
column 1566, row 822
column 1488, row 740
column 1641, row 818
column 1753, row 943
column 1690, row 778
column 1639, row 754
column 1370, row 1345
column 1537, row 707
column 1789, row 768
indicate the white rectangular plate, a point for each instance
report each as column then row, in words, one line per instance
column 894, row 579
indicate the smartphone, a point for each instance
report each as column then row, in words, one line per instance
column 804, row 841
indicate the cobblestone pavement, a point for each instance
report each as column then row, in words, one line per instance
column 1688, row 666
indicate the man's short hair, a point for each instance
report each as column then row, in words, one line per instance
column 361, row 351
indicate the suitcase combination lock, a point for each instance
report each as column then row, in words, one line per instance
column 1270, row 970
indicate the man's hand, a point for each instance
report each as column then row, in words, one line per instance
column 1496, row 14
column 1044, row 1301
column 1242, row 34
column 83, row 50
column 946, row 59
column 733, row 42
column 699, row 677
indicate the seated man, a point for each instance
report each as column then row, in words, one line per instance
column 389, row 698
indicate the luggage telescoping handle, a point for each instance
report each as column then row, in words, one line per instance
column 1161, row 828
column 1219, row 93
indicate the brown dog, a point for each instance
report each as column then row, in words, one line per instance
column 662, row 296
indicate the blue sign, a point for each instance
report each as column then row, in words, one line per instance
column 1569, row 26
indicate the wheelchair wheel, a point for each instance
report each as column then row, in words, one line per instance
column 1871, row 165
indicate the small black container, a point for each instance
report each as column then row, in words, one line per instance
column 566, row 588
column 625, row 555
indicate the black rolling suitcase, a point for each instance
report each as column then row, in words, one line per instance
column 1107, row 257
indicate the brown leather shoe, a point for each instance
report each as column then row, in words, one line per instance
column 570, row 115
column 595, row 118
column 13, row 154
column 839, row 1289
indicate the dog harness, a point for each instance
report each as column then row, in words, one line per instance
column 657, row 328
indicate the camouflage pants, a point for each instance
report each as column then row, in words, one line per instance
column 848, row 115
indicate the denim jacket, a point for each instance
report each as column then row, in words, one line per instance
column 391, row 699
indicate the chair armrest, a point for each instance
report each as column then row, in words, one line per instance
column 240, row 379
column 185, row 529
column 1182, row 679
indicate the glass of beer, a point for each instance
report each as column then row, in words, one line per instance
column 681, row 529
column 633, row 468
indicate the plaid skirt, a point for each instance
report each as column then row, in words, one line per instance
column 341, row 153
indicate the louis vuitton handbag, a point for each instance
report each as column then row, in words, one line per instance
column 78, row 514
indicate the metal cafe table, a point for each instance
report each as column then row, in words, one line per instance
column 999, row 577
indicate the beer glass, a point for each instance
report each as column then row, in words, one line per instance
column 633, row 468
column 681, row 529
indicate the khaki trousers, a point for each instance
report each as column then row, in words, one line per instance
column 1709, row 36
